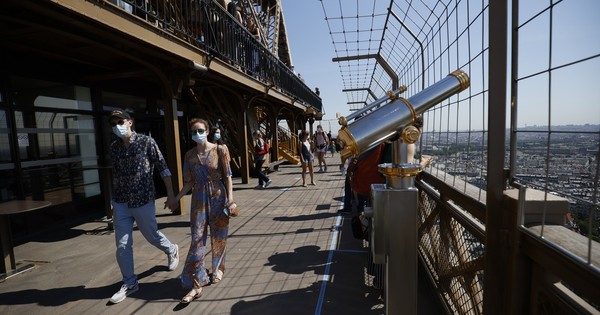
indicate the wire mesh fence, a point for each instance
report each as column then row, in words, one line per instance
column 552, row 126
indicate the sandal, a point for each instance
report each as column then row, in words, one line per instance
column 217, row 276
column 192, row 295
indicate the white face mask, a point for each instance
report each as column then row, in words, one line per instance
column 120, row 130
column 199, row 138
column 217, row 136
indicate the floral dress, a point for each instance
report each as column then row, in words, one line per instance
column 209, row 196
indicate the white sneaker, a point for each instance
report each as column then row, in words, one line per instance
column 268, row 183
column 174, row 259
column 123, row 293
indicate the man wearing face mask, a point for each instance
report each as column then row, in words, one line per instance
column 134, row 157
column 259, row 160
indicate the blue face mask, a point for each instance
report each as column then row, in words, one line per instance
column 199, row 138
column 120, row 130
column 217, row 136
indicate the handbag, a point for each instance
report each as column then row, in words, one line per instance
column 233, row 211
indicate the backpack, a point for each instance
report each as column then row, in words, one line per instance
column 363, row 170
column 265, row 150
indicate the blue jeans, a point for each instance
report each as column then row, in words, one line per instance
column 261, row 176
column 123, row 218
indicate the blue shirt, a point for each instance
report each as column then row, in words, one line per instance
column 133, row 168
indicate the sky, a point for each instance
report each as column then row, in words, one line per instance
column 575, row 96
column 312, row 51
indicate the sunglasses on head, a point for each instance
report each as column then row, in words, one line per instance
column 120, row 122
column 198, row 131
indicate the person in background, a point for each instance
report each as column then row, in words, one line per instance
column 348, row 194
column 331, row 146
column 425, row 160
column 252, row 49
column 236, row 48
column 259, row 158
column 306, row 157
column 322, row 142
column 215, row 136
column 206, row 170
column 134, row 157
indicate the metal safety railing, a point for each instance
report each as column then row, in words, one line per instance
column 511, row 197
column 544, row 160
column 209, row 26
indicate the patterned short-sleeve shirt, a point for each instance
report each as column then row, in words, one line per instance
column 133, row 169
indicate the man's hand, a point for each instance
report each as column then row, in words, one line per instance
column 171, row 204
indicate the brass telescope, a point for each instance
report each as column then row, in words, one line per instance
column 394, row 237
column 384, row 122
column 390, row 96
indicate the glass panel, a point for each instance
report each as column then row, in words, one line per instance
column 50, row 94
column 58, row 155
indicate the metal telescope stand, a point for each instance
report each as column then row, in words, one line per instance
column 394, row 230
column 394, row 211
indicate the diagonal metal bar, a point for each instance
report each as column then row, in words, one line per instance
column 392, row 13
column 388, row 69
column 361, row 89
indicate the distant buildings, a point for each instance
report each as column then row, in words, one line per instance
column 562, row 163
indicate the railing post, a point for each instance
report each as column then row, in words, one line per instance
column 174, row 148
column 500, row 237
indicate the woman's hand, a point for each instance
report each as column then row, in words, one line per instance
column 171, row 203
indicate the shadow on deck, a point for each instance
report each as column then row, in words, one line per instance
column 289, row 252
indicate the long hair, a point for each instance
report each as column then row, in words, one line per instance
column 194, row 121
column 303, row 133
column 211, row 136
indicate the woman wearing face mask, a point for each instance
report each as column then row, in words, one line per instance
column 206, row 170
column 215, row 136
